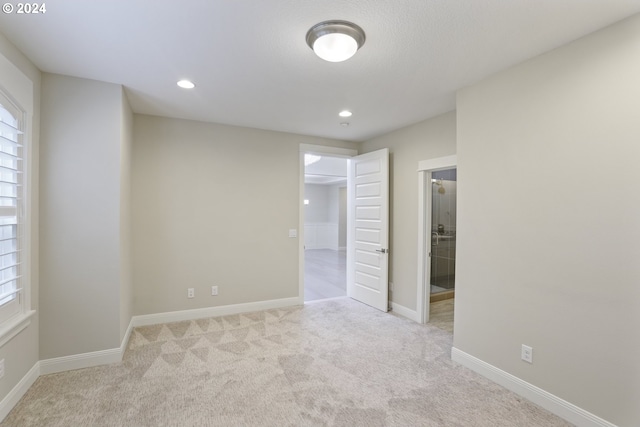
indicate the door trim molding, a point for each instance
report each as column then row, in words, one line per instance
column 314, row 149
column 425, row 168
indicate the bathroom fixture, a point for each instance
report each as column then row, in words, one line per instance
column 433, row 233
column 335, row 41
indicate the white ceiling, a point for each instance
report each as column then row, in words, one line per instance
column 326, row 171
column 253, row 68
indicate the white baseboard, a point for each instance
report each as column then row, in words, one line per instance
column 16, row 393
column 125, row 339
column 86, row 360
column 548, row 401
column 223, row 310
column 79, row 361
column 405, row 312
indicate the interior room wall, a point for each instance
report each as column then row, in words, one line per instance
column 548, row 231
column 213, row 205
column 342, row 217
column 333, row 208
column 80, row 207
column 21, row 353
column 317, row 211
column 428, row 139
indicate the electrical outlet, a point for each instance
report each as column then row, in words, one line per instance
column 1, row 368
column 527, row 353
column 191, row 293
column 214, row 290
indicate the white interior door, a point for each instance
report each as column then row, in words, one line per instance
column 368, row 229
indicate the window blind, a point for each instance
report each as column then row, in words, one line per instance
column 11, row 188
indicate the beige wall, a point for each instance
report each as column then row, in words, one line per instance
column 429, row 139
column 549, row 222
column 213, row 205
column 21, row 353
column 80, row 228
column 318, row 209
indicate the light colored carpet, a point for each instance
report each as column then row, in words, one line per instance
column 332, row 363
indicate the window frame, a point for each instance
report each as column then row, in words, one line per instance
column 11, row 178
column 17, row 88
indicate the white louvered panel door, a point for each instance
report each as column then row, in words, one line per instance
column 368, row 231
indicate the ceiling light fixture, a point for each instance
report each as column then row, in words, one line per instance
column 186, row 84
column 335, row 41
column 345, row 113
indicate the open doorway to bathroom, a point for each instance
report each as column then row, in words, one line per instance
column 442, row 249
column 443, row 235
column 437, row 211
column 325, row 227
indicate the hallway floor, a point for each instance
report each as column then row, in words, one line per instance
column 325, row 274
column 441, row 314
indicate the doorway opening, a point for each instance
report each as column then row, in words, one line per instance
column 443, row 235
column 367, row 222
column 325, row 227
column 437, row 191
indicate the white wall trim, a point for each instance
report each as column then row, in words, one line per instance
column 445, row 162
column 405, row 312
column 223, row 310
column 14, row 326
column 16, row 393
column 79, row 361
column 86, row 360
column 125, row 339
column 548, row 401
column 328, row 150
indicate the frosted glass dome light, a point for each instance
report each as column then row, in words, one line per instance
column 335, row 41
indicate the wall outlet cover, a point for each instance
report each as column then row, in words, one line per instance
column 527, row 353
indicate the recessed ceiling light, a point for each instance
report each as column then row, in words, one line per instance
column 345, row 113
column 186, row 84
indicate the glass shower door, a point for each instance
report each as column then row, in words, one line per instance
column 443, row 233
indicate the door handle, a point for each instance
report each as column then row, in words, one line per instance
column 382, row 251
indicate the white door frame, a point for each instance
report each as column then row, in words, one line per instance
column 425, row 168
column 311, row 149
